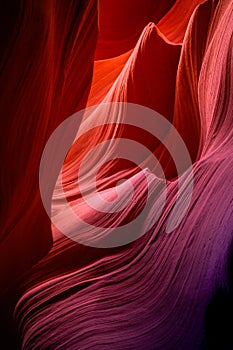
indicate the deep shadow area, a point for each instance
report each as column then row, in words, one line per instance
column 219, row 317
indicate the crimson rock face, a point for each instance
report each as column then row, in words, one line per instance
column 89, row 200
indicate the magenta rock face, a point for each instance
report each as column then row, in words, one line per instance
column 118, row 217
